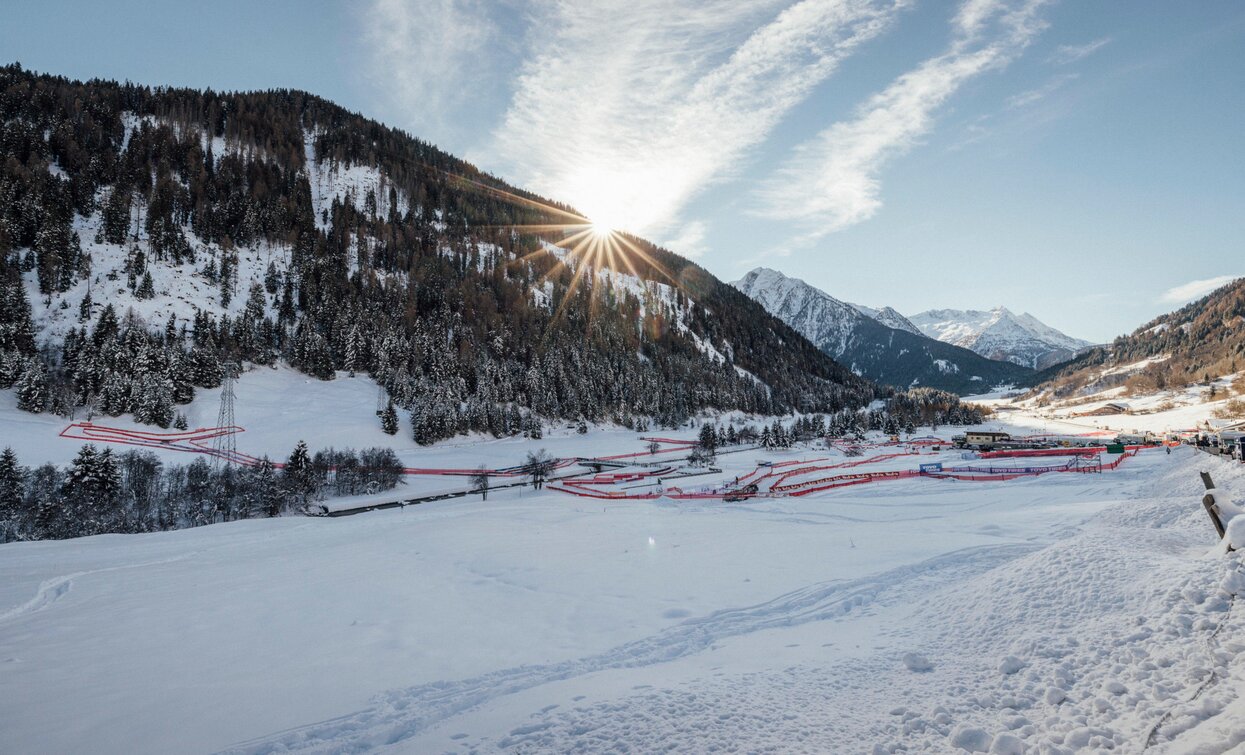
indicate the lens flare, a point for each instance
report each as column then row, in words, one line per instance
column 589, row 244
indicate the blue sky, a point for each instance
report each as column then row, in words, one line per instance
column 1081, row 161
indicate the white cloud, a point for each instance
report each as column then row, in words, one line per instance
column 626, row 109
column 422, row 55
column 831, row 182
column 1065, row 54
column 1195, row 289
column 689, row 241
column 1026, row 98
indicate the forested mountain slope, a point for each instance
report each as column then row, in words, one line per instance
column 150, row 235
column 1200, row 341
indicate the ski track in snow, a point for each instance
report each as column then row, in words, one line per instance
column 400, row 714
column 52, row 590
column 1085, row 659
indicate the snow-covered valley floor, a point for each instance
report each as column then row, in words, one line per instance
column 1059, row 613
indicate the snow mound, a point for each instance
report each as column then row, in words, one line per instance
column 917, row 662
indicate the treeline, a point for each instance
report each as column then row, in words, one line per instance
column 903, row 412
column 133, row 491
column 434, row 282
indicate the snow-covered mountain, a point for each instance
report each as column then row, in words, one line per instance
column 881, row 345
column 888, row 317
column 1001, row 334
column 275, row 227
column 818, row 316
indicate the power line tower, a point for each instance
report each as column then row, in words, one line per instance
column 225, row 445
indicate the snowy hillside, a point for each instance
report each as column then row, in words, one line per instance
column 878, row 344
column 1200, row 341
column 179, row 233
column 1000, row 334
column 183, row 287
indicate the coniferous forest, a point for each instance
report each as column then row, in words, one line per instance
column 438, row 283
column 132, row 491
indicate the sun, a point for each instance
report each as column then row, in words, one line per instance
column 586, row 244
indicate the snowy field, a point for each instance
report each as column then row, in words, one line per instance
column 1162, row 411
column 1063, row 613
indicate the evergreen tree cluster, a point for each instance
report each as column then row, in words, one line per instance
column 902, row 413
column 429, row 283
column 101, row 491
column 118, row 367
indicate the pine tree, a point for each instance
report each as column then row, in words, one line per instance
column 147, row 288
column 227, row 266
column 286, row 312
column 32, row 388
column 12, row 479
column 84, row 309
column 271, row 279
column 389, row 419
column 79, row 492
column 254, row 310
column 298, row 472
column 354, row 348
column 708, row 439
column 205, row 367
column 49, row 515
column 17, row 332
column 52, row 249
column 106, row 326
column 268, row 496
column 117, row 216
column 108, row 480
column 170, row 330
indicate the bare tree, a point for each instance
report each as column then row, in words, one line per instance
column 538, row 466
column 480, row 481
column 699, row 457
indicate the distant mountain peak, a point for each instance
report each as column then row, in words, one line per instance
column 999, row 333
column 888, row 317
column 880, row 344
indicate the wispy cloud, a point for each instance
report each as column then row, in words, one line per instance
column 832, row 181
column 629, row 108
column 1195, row 289
column 1031, row 96
column 421, row 54
column 1066, row 54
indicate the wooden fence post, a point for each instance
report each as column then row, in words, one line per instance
column 1208, row 503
